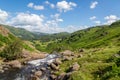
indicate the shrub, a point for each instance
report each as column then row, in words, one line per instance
column 12, row 51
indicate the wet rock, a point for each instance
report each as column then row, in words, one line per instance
column 34, row 78
column 15, row 64
column 54, row 52
column 54, row 67
column 75, row 67
column 32, row 70
column 6, row 68
column 57, row 61
column 1, row 67
column 67, row 53
column 43, row 69
column 67, row 58
column 38, row 73
column 31, row 56
column 53, row 77
column 1, row 71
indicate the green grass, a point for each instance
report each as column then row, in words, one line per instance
column 95, row 37
column 91, row 64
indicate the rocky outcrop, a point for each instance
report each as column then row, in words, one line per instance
column 57, row 61
column 67, row 53
column 67, row 58
column 34, row 78
column 54, row 67
column 31, row 56
column 75, row 67
column 38, row 73
column 15, row 64
column 53, row 77
column 64, row 76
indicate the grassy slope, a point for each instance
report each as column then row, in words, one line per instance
column 27, row 35
column 20, row 32
column 6, row 38
column 100, row 46
column 55, row 36
column 90, row 38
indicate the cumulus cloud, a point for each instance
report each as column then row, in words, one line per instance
column 97, row 22
column 50, row 4
column 56, row 17
column 64, row 6
column 93, row 5
column 27, row 21
column 47, row 2
column 110, row 19
column 3, row 16
column 92, row 18
column 38, row 23
column 35, row 7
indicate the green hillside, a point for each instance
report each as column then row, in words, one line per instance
column 21, row 33
column 27, row 35
column 100, row 47
column 55, row 36
column 11, row 45
column 93, row 37
column 5, row 36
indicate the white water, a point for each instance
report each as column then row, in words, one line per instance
column 24, row 73
column 49, row 59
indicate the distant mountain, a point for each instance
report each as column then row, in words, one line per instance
column 55, row 36
column 21, row 33
column 27, row 35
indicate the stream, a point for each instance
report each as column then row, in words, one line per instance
column 32, row 66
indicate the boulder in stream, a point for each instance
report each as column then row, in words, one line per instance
column 54, row 67
column 38, row 73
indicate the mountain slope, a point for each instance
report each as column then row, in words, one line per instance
column 20, row 32
column 6, row 37
column 55, row 36
column 27, row 35
column 97, row 50
column 98, row 36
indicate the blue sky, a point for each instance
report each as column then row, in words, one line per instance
column 52, row 16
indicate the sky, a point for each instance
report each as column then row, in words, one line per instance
column 53, row 16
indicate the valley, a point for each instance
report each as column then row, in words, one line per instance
column 88, row 54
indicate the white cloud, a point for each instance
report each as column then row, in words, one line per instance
column 92, row 18
column 30, row 5
column 50, row 4
column 47, row 2
column 93, row 5
column 98, row 22
column 34, row 22
column 110, row 19
column 3, row 16
column 35, row 7
column 27, row 21
column 64, row 6
column 56, row 18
